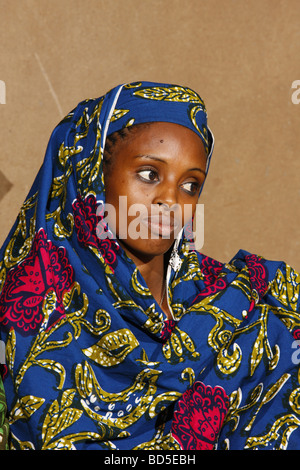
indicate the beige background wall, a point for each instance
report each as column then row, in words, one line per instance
column 241, row 56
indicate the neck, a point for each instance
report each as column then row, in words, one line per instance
column 153, row 270
column 154, row 274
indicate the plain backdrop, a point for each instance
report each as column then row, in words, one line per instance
column 241, row 56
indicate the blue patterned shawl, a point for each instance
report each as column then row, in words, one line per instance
column 91, row 362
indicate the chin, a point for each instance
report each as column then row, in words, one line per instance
column 145, row 249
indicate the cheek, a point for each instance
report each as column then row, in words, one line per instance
column 186, row 211
column 115, row 186
column 123, row 207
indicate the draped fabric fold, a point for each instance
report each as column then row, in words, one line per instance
column 90, row 360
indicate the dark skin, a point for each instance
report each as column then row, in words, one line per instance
column 158, row 166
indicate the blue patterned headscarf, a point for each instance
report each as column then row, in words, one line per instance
column 144, row 102
column 91, row 361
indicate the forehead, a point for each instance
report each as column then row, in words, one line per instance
column 167, row 139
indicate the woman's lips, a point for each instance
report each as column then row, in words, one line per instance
column 160, row 225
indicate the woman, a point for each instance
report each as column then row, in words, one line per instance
column 118, row 333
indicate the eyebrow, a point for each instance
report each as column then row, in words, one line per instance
column 152, row 157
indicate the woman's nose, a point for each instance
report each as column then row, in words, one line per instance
column 166, row 195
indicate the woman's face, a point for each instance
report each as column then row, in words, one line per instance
column 154, row 169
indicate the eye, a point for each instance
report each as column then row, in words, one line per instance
column 191, row 187
column 148, row 175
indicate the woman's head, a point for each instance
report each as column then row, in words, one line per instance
column 156, row 157
column 153, row 179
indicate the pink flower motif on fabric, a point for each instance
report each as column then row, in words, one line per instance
column 199, row 416
column 258, row 277
column 90, row 229
column 167, row 330
column 296, row 334
column 46, row 267
column 211, row 269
